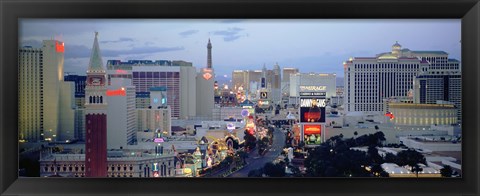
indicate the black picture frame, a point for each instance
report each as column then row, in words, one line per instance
column 11, row 11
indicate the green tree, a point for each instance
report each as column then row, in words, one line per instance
column 411, row 158
column 416, row 168
column 274, row 170
column 243, row 155
column 250, row 140
column 446, row 171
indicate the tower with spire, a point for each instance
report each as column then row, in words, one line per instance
column 205, row 82
column 209, row 54
column 96, row 115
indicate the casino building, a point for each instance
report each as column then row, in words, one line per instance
column 177, row 76
column 411, row 116
column 370, row 80
column 303, row 82
column 46, row 103
column 118, row 164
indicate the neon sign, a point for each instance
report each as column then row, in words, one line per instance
column 313, row 88
column 60, row 47
column 312, row 129
column 230, row 127
column 312, row 102
column 207, row 74
column 389, row 114
column 118, row 92
column 119, row 71
column 245, row 113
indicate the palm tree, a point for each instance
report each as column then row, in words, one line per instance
column 416, row 168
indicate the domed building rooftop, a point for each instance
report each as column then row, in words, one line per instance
column 397, row 45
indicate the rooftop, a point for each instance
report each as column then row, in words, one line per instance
column 430, row 52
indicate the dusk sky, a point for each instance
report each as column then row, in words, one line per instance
column 310, row 45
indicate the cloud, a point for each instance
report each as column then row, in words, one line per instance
column 122, row 39
column 78, row 51
column 188, row 33
column 230, row 34
column 149, row 43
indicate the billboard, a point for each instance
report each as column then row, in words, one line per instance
column 312, row 134
column 312, row 109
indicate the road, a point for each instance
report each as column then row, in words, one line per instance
column 255, row 161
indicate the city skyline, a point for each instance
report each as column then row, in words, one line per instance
column 312, row 45
column 286, row 128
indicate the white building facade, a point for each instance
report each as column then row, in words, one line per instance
column 369, row 80
column 303, row 82
column 430, row 75
column 121, row 114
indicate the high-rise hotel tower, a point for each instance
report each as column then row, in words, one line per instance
column 45, row 104
column 369, row 80
column 96, row 115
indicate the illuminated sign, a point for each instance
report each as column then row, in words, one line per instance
column 316, row 94
column 263, row 102
column 313, row 88
column 230, row 127
column 312, row 110
column 119, row 71
column 245, row 112
column 312, row 129
column 263, row 95
column 59, row 46
column 312, row 134
column 309, row 102
column 389, row 114
column 95, row 80
column 207, row 74
column 118, row 92
column 155, row 100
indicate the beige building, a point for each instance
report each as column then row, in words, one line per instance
column 158, row 115
column 205, row 93
column 286, row 72
column 139, row 165
column 46, row 103
column 409, row 116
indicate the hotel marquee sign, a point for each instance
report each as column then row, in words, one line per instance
column 313, row 94
column 313, row 88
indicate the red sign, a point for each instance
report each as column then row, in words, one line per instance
column 119, row 71
column 313, row 115
column 389, row 114
column 312, row 129
column 119, row 92
column 59, row 47
column 207, row 74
